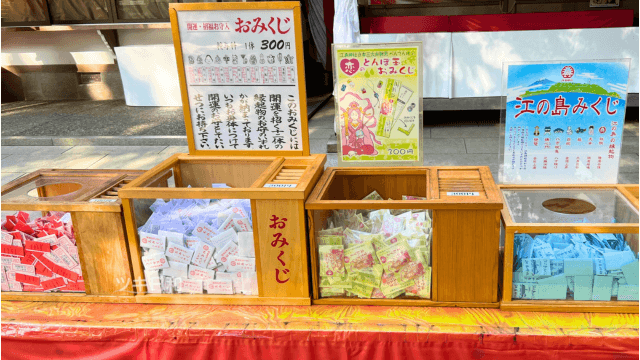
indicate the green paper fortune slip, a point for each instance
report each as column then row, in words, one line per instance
column 331, row 260
column 395, row 256
column 359, row 257
column 362, row 290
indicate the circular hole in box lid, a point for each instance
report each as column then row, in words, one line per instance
column 53, row 190
column 569, row 206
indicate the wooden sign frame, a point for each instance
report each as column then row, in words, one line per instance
column 302, row 93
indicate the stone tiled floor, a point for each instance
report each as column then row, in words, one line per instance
column 444, row 144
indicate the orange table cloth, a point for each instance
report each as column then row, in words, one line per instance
column 32, row 330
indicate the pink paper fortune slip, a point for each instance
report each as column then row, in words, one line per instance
column 41, row 255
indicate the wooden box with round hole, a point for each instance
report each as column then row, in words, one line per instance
column 89, row 199
column 571, row 248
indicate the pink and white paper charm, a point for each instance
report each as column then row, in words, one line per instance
column 176, row 270
column 235, row 277
column 192, row 241
column 246, row 246
column 249, row 283
column 242, row 225
column 226, row 225
column 190, row 286
column 202, row 254
column 197, row 272
column 219, row 287
column 204, row 231
column 155, row 262
column 64, row 256
column 231, row 249
column 244, row 264
column 173, row 237
column 178, row 253
column 152, row 241
column 224, row 238
column 7, row 239
column 24, row 269
column 152, row 280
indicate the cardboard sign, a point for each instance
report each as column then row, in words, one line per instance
column 378, row 103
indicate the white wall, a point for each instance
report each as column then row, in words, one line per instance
column 71, row 47
column 145, row 37
column 54, row 48
column 478, row 56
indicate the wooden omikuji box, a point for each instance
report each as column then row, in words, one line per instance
column 275, row 185
column 592, row 233
column 464, row 204
column 90, row 197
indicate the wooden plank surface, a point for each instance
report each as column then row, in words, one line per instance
column 274, row 253
column 465, row 253
column 103, row 249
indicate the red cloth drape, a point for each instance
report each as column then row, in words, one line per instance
column 499, row 22
column 66, row 342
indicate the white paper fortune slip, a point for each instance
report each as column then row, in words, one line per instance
column 152, row 241
column 219, row 287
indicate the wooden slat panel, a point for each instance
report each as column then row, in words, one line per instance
column 467, row 180
column 466, row 249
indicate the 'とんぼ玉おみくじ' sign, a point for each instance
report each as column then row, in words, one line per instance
column 379, row 103
column 564, row 121
column 241, row 72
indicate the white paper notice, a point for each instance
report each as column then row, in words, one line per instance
column 241, row 74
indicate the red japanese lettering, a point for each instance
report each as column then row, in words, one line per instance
column 259, row 25
column 541, row 109
column 277, row 241
column 285, row 271
column 615, row 102
column 526, row 107
column 560, row 107
column 582, row 107
column 286, row 21
column 593, row 106
column 242, row 26
column 277, row 224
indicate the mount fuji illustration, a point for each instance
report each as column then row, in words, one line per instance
column 546, row 86
column 543, row 84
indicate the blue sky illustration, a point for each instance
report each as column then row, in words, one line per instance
column 612, row 76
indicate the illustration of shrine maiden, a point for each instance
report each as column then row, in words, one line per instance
column 358, row 137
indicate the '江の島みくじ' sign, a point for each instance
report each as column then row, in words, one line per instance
column 563, row 121
column 242, row 77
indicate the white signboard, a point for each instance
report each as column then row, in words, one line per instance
column 241, row 74
column 563, row 121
